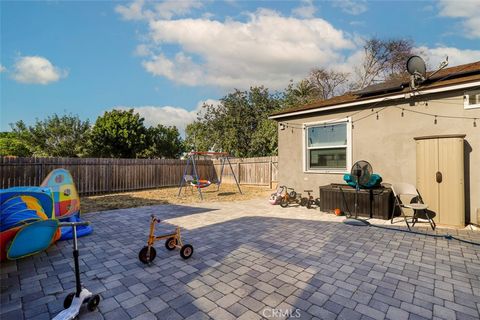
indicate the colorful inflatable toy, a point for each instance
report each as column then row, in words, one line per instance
column 21, row 207
column 66, row 200
column 29, row 215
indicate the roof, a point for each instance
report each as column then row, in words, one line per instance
column 461, row 74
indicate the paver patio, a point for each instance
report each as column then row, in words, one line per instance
column 251, row 261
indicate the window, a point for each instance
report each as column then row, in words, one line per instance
column 471, row 99
column 327, row 147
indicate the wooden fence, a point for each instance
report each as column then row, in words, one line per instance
column 97, row 176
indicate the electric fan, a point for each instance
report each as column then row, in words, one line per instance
column 360, row 173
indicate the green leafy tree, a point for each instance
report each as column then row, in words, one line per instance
column 56, row 136
column 118, row 134
column 163, row 142
column 197, row 137
column 238, row 125
column 11, row 145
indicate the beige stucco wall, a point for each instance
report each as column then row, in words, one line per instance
column 388, row 143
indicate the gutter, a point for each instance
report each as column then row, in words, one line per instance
column 406, row 95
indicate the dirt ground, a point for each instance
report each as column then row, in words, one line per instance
column 228, row 192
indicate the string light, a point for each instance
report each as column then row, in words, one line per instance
column 403, row 110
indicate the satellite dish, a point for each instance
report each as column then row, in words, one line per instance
column 416, row 66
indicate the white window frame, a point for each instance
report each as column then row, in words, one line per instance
column 466, row 100
column 306, row 166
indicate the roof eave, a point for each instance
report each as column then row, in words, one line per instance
column 404, row 95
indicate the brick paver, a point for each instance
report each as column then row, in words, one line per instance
column 251, row 261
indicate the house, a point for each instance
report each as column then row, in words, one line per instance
column 408, row 135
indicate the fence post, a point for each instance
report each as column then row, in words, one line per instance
column 270, row 173
column 238, row 170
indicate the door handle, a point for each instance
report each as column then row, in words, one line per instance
column 438, row 177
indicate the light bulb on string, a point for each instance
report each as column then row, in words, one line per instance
column 474, row 123
column 377, row 115
column 435, row 121
column 402, row 113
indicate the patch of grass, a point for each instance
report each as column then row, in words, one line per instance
column 227, row 193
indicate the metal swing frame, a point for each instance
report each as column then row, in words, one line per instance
column 192, row 162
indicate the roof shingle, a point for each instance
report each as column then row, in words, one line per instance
column 449, row 76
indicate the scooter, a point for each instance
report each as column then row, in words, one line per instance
column 74, row 300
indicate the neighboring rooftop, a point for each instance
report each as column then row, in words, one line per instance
column 446, row 77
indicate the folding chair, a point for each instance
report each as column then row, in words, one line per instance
column 404, row 192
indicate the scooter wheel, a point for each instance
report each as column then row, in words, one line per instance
column 93, row 302
column 171, row 243
column 142, row 255
column 186, row 251
column 68, row 300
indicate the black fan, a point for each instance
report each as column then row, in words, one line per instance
column 361, row 172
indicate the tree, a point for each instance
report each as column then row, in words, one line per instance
column 163, row 142
column 383, row 60
column 197, row 137
column 327, row 83
column 56, row 136
column 11, row 145
column 118, row 134
column 238, row 125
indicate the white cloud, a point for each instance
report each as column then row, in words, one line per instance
column 142, row 50
column 2, row 69
column 168, row 115
column 163, row 10
column 37, row 70
column 467, row 10
column 353, row 7
column 267, row 48
column 434, row 56
column 306, row 10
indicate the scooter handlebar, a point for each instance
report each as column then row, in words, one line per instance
column 71, row 224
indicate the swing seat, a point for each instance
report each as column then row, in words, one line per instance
column 201, row 183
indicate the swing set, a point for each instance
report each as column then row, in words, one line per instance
column 191, row 176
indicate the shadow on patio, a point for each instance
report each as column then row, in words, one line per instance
column 249, row 266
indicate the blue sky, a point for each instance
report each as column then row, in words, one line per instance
column 166, row 58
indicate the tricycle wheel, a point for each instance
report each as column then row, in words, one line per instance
column 186, row 251
column 304, row 202
column 171, row 243
column 317, row 202
column 68, row 300
column 142, row 255
column 283, row 203
column 309, row 204
column 93, row 302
